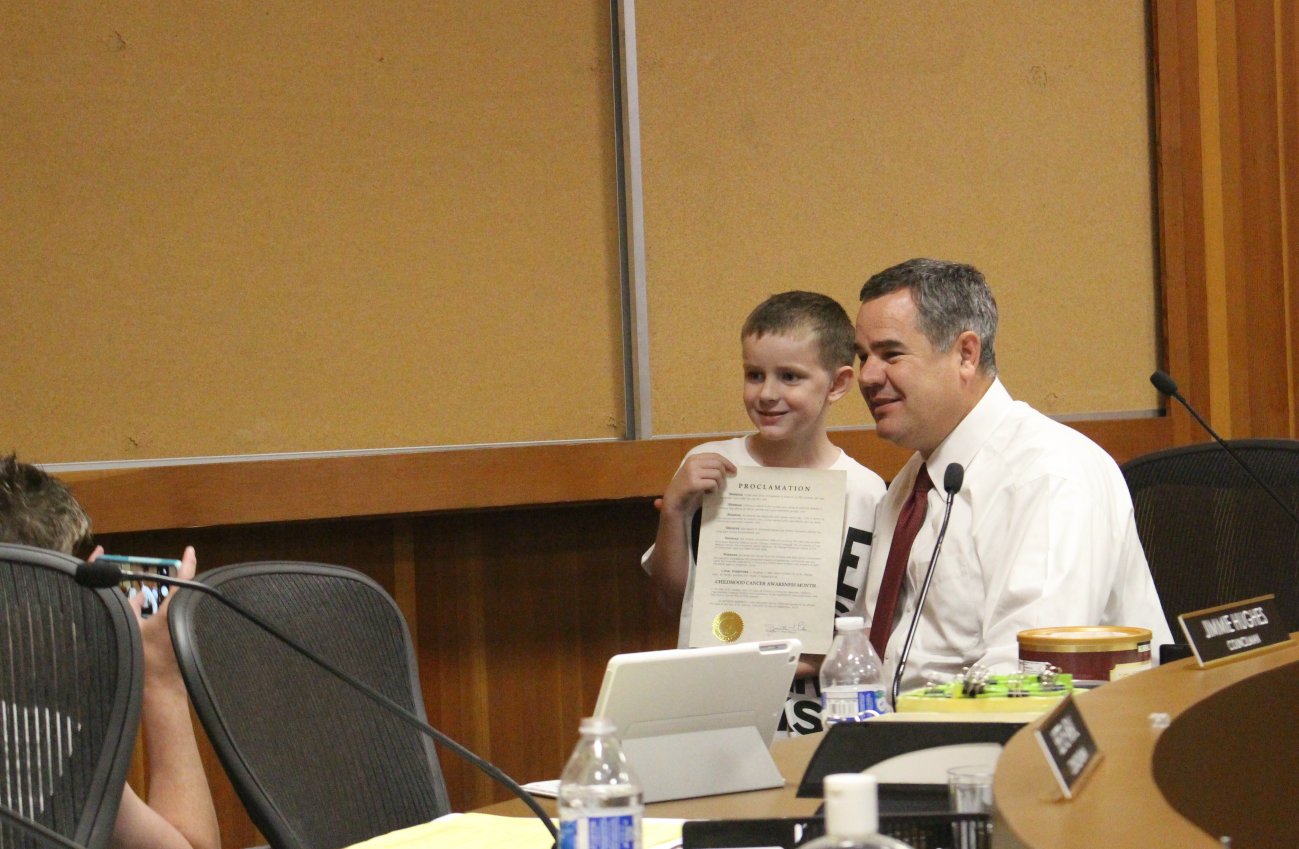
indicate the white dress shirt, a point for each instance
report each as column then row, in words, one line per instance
column 1041, row 534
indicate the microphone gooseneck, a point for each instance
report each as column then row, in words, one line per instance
column 1168, row 387
column 953, row 478
column 96, row 574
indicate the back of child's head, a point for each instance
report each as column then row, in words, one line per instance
column 39, row 510
column 806, row 312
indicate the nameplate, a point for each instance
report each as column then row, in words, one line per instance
column 1223, row 633
column 1070, row 750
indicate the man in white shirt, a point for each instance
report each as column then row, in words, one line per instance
column 1041, row 533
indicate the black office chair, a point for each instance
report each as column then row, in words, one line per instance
column 71, row 667
column 1212, row 535
column 317, row 764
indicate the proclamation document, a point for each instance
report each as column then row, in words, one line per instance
column 768, row 562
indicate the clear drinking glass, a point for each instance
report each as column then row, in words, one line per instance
column 970, row 789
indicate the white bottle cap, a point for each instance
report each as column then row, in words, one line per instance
column 602, row 725
column 851, row 805
column 849, row 623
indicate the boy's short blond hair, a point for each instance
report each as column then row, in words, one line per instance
column 819, row 315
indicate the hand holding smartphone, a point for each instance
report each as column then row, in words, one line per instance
column 153, row 593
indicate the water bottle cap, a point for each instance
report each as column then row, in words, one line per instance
column 597, row 725
column 851, row 805
column 849, row 623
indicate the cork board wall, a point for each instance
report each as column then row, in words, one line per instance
column 809, row 145
column 236, row 228
column 267, row 227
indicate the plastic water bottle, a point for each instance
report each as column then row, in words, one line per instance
column 852, row 679
column 852, row 815
column 600, row 803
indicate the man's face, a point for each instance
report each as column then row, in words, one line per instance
column 913, row 391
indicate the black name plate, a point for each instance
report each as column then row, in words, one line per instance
column 1228, row 631
column 1070, row 750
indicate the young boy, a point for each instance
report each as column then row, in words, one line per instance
column 798, row 350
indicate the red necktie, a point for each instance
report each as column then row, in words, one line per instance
column 895, row 568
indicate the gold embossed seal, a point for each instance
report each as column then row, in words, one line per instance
column 728, row 626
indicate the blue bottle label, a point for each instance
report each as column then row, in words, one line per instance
column 852, row 703
column 619, row 830
column 870, row 703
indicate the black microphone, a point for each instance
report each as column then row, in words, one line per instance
column 32, row 827
column 101, row 575
column 1168, row 387
column 952, row 480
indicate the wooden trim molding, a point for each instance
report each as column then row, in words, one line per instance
column 1226, row 151
column 1287, row 61
column 240, row 493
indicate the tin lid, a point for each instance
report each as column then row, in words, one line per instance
column 1076, row 638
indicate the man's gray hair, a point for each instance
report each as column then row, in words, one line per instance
column 950, row 298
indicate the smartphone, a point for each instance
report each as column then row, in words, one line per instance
column 153, row 592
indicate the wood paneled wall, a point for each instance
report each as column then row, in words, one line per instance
column 517, row 568
column 1228, row 157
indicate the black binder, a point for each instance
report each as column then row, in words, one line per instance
column 858, row 746
column 919, row 830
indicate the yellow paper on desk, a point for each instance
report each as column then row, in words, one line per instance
column 474, row 831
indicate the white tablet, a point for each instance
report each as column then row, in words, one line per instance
column 698, row 722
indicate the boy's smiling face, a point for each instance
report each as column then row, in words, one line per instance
column 787, row 389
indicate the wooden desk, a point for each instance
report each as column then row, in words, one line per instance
column 791, row 757
column 1227, row 765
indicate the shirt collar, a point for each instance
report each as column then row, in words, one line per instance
column 964, row 442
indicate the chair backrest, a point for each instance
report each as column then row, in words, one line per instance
column 317, row 764
column 71, row 668
column 1212, row 535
